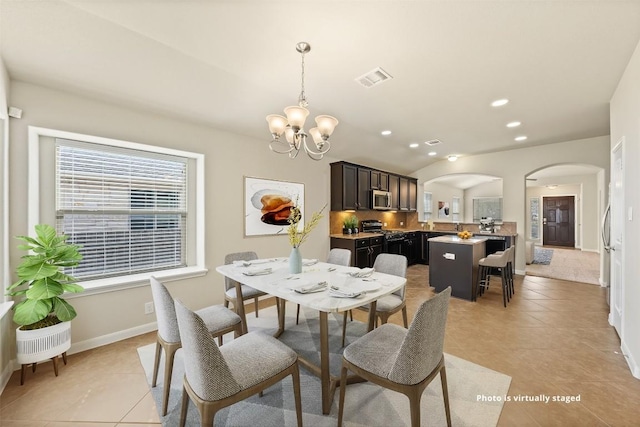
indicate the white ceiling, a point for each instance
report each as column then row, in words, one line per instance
column 230, row 63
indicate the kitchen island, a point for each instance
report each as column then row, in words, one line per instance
column 454, row 262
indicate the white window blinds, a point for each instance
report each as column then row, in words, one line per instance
column 126, row 208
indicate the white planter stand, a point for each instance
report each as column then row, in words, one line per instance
column 41, row 344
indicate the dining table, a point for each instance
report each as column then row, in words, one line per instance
column 327, row 288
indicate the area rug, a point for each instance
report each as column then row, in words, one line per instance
column 542, row 256
column 365, row 404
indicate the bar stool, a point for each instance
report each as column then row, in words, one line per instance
column 497, row 260
column 510, row 266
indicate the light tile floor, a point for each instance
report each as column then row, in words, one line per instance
column 553, row 339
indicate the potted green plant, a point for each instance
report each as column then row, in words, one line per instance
column 350, row 225
column 44, row 317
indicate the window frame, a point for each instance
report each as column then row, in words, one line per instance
column 195, row 231
column 428, row 214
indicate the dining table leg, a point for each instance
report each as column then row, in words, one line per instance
column 328, row 386
column 239, row 306
column 281, row 304
column 372, row 316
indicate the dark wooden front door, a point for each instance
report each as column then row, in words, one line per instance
column 558, row 221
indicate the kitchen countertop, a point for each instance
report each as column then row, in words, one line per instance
column 365, row 235
column 455, row 239
column 475, row 234
column 356, row 236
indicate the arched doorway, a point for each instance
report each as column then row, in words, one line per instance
column 564, row 204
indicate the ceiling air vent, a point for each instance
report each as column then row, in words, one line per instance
column 433, row 142
column 374, row 78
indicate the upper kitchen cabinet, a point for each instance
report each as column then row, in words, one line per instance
column 404, row 193
column 350, row 187
column 379, row 180
column 408, row 194
column 394, row 189
column 413, row 195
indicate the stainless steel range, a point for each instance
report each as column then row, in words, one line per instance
column 393, row 239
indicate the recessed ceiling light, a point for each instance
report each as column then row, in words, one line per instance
column 513, row 124
column 386, row 132
column 414, row 145
column 452, row 158
column 520, row 138
column 432, row 153
column 499, row 102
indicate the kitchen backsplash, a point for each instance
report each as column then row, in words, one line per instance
column 407, row 221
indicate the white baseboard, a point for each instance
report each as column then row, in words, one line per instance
column 591, row 250
column 102, row 340
column 635, row 369
column 521, row 272
column 5, row 376
column 111, row 338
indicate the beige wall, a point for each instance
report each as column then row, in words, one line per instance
column 228, row 157
column 513, row 166
column 625, row 122
column 441, row 193
column 6, row 325
column 488, row 189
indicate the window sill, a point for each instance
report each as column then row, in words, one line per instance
column 5, row 307
column 93, row 287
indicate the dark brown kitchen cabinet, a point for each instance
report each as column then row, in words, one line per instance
column 363, row 250
column 350, row 187
column 363, row 199
column 413, row 195
column 404, row 194
column 379, row 180
column 412, row 248
column 394, row 189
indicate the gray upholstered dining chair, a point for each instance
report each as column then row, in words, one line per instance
column 336, row 256
column 216, row 377
column 230, row 294
column 395, row 265
column 218, row 320
column 403, row 360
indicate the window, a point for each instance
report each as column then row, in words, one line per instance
column 534, row 207
column 133, row 208
column 428, row 209
column 455, row 209
column 487, row 207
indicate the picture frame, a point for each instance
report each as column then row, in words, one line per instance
column 267, row 204
column 443, row 210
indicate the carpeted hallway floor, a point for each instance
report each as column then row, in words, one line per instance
column 569, row 264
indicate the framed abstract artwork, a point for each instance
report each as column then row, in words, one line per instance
column 268, row 203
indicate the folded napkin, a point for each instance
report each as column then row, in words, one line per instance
column 257, row 271
column 364, row 272
column 308, row 262
column 334, row 291
column 311, row 287
column 252, row 262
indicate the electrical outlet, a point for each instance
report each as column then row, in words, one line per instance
column 385, row 224
column 401, row 223
column 148, row 307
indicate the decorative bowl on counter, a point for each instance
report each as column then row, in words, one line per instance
column 465, row 234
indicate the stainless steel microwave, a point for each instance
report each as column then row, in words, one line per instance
column 380, row 200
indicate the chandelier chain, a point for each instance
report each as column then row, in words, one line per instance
column 302, row 100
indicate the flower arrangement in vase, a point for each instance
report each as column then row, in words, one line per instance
column 297, row 238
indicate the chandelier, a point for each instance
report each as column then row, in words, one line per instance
column 293, row 125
